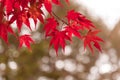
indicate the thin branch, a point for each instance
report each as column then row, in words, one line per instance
column 59, row 18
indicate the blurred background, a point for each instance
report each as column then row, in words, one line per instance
column 73, row 64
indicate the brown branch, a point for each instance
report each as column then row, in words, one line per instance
column 59, row 18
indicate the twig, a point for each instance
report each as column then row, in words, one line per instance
column 59, row 18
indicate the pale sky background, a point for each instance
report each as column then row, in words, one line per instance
column 108, row 10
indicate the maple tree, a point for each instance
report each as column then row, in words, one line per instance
column 20, row 11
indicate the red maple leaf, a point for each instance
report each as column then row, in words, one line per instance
column 48, row 5
column 58, row 39
column 72, row 31
column 1, row 13
column 25, row 39
column 57, row 2
column 50, row 25
column 35, row 13
column 9, row 6
column 4, row 29
column 23, row 3
column 92, row 38
column 80, row 19
column 20, row 17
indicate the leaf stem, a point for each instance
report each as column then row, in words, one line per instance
column 59, row 18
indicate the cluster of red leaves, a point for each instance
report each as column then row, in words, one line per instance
column 20, row 11
column 76, row 23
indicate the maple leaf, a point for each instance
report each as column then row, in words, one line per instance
column 48, row 5
column 23, row 3
column 92, row 38
column 9, row 6
column 72, row 30
column 36, row 13
column 1, row 13
column 57, row 2
column 20, row 17
column 36, row 1
column 80, row 19
column 25, row 39
column 50, row 25
column 58, row 39
column 4, row 29
column 16, row 5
